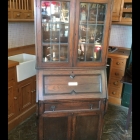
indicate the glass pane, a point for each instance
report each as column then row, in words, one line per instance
column 54, row 52
column 55, row 30
column 64, row 33
column 63, row 53
column 46, row 53
column 91, row 28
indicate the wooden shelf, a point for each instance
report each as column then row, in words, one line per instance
column 21, row 10
column 119, row 10
column 122, row 23
column 20, row 20
column 127, row 9
column 125, row 1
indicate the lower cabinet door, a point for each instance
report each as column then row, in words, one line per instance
column 54, row 127
column 25, row 92
column 12, row 101
column 87, row 126
column 70, row 126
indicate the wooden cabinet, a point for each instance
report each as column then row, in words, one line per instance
column 73, row 117
column 122, row 12
column 21, row 99
column 27, row 94
column 117, row 10
column 127, row 12
column 71, row 67
column 13, row 108
column 20, row 10
column 117, row 70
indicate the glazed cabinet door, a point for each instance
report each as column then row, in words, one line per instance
column 54, row 33
column 54, row 126
column 92, row 28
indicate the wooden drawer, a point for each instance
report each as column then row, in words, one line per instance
column 119, row 63
column 65, row 85
column 115, row 82
column 114, row 92
column 27, row 15
column 63, row 106
column 11, row 74
column 116, row 73
column 17, row 15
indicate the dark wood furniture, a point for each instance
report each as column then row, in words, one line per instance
column 116, row 72
column 71, row 48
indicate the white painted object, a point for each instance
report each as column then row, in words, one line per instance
column 72, row 83
column 26, row 67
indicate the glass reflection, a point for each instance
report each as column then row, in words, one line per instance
column 91, row 28
column 55, row 30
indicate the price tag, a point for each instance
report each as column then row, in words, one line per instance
column 72, row 83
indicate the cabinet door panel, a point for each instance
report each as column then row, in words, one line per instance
column 91, row 32
column 117, row 10
column 12, row 101
column 55, row 33
column 83, row 84
column 84, row 129
column 25, row 88
column 55, row 127
column 34, row 91
column 52, row 128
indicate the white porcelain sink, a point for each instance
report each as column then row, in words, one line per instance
column 26, row 67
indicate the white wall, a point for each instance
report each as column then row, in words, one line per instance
column 22, row 33
column 121, row 36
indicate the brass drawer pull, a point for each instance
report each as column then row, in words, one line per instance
column 113, row 93
column 18, row 15
column 118, row 63
column 52, row 108
column 115, row 83
column 28, row 15
column 15, row 98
